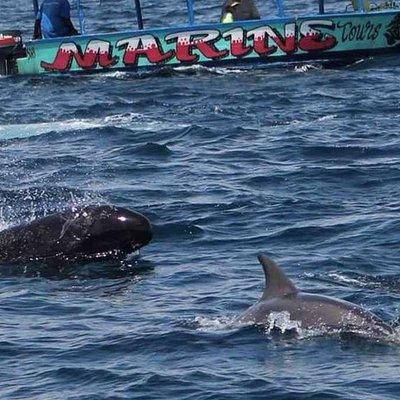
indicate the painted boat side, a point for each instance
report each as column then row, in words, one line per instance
column 324, row 36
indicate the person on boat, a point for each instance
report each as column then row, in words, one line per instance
column 239, row 10
column 54, row 20
column 356, row 3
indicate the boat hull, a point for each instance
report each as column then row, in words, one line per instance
column 322, row 37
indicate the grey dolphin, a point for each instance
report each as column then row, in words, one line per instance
column 88, row 233
column 310, row 310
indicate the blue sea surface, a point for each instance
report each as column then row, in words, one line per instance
column 301, row 162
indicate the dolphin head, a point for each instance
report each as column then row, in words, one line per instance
column 105, row 231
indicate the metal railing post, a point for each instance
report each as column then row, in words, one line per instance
column 190, row 8
column 281, row 8
column 35, row 7
column 139, row 16
column 81, row 17
column 321, row 6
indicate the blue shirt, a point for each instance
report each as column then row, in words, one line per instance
column 53, row 14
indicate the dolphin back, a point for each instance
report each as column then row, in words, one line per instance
column 311, row 311
column 31, row 241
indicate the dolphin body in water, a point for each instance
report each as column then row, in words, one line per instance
column 310, row 311
column 81, row 234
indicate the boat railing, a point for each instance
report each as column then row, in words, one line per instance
column 282, row 11
column 290, row 8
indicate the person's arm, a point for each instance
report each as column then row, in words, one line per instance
column 255, row 14
column 223, row 9
column 70, row 25
column 65, row 13
column 37, row 32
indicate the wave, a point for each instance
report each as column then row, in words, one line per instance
column 126, row 120
column 135, row 269
column 386, row 283
column 177, row 229
column 353, row 152
column 154, row 149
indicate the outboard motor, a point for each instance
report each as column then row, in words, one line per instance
column 11, row 48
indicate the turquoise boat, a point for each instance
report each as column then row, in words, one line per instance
column 358, row 31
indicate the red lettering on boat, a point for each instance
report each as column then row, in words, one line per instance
column 146, row 45
column 287, row 43
column 260, row 41
column 312, row 39
column 238, row 42
column 204, row 41
column 98, row 52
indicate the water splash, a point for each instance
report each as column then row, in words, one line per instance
column 36, row 203
column 216, row 324
column 282, row 322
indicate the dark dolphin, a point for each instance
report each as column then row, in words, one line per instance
column 310, row 310
column 87, row 233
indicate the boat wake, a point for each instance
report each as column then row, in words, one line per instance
column 201, row 69
column 22, row 131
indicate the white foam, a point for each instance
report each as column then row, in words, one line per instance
column 215, row 70
column 215, row 324
column 345, row 279
column 17, row 293
column 287, row 125
column 131, row 120
column 327, row 117
column 306, row 67
column 21, row 131
column 396, row 335
column 282, row 321
column 117, row 74
column 4, row 225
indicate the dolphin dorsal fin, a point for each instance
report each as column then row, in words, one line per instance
column 277, row 284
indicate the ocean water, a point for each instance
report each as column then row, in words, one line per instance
column 299, row 162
